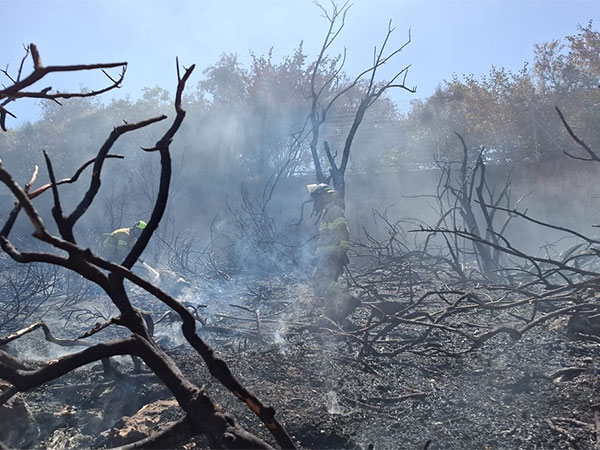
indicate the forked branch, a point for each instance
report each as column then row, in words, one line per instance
column 18, row 88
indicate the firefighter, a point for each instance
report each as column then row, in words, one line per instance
column 331, row 254
column 116, row 245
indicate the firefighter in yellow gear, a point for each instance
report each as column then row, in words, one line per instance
column 116, row 245
column 332, row 252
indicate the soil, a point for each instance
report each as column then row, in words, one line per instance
column 330, row 393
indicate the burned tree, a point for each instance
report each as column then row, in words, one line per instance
column 327, row 89
column 466, row 201
column 491, row 245
column 327, row 86
column 519, row 291
column 202, row 414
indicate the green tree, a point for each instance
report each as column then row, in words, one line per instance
column 512, row 113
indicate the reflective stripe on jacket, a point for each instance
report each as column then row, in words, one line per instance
column 119, row 240
column 334, row 237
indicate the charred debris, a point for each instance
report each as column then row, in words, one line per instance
column 464, row 334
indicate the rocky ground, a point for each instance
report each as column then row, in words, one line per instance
column 330, row 394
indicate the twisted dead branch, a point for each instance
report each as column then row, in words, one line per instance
column 17, row 90
column 203, row 414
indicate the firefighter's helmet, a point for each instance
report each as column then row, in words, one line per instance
column 316, row 190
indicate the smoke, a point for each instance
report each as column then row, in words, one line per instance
column 332, row 404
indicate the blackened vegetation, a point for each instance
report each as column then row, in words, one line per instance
column 202, row 415
column 461, row 340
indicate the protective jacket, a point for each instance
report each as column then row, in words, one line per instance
column 334, row 237
column 332, row 247
column 116, row 245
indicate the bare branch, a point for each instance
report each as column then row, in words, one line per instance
column 47, row 333
column 165, row 175
column 98, row 163
column 73, row 179
column 587, row 148
column 17, row 89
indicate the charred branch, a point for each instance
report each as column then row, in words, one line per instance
column 171, row 436
column 202, row 412
column 206, row 415
column 71, row 180
column 162, row 146
column 47, row 334
column 593, row 156
column 18, row 89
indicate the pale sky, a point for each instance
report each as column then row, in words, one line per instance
column 448, row 36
